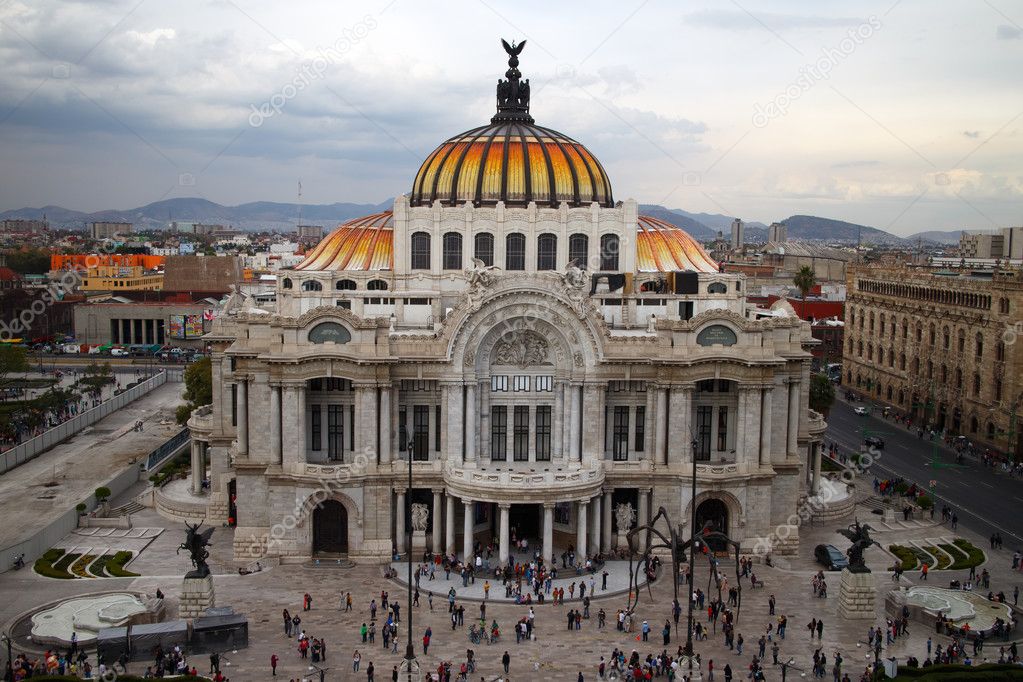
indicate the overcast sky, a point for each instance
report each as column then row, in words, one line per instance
column 906, row 115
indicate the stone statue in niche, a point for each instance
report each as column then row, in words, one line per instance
column 522, row 349
column 420, row 515
column 478, row 276
column 574, row 279
column 625, row 516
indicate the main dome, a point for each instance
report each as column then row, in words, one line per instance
column 511, row 160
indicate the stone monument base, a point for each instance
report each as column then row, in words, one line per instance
column 856, row 596
column 622, row 541
column 418, row 543
column 889, row 515
column 196, row 597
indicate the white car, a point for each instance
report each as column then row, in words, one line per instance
column 860, row 410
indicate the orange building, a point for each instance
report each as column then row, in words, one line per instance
column 91, row 260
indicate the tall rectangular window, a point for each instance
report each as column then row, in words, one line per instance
column 620, row 434
column 421, row 432
column 722, row 429
column 520, row 441
column 640, row 428
column 543, row 433
column 515, row 251
column 402, row 430
column 234, row 405
column 437, row 430
column 704, row 416
column 317, row 428
column 351, row 431
column 499, row 433
column 335, row 433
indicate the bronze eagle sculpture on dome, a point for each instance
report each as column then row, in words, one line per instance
column 513, row 94
column 513, row 49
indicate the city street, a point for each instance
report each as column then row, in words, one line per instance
column 985, row 501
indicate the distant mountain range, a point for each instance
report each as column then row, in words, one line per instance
column 265, row 215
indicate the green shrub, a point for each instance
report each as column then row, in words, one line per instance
column 102, row 494
column 179, row 465
column 65, row 562
column 906, row 557
column 115, row 566
column 44, row 565
column 925, row 501
column 81, row 507
column 943, row 561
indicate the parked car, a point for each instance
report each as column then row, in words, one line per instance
column 830, row 557
column 874, row 441
column 118, row 352
column 860, row 410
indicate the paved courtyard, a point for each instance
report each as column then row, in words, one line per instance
column 556, row 654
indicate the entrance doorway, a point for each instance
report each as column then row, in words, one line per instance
column 330, row 528
column 713, row 514
column 524, row 521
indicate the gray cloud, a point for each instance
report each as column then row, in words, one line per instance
column 739, row 20
column 973, row 134
column 1006, row 32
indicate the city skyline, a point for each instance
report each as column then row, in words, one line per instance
column 757, row 110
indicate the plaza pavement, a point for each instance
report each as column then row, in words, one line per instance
column 556, row 654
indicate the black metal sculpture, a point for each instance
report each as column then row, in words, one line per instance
column 513, row 94
column 195, row 543
column 859, row 535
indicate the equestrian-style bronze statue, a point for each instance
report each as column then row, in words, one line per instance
column 859, row 535
column 196, row 543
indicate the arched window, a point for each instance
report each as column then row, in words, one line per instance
column 608, row 252
column 483, row 248
column 919, row 332
column 870, row 351
column 286, row 284
column 961, row 339
column 990, row 431
column 717, row 288
column 882, row 321
column 1000, row 351
column 980, row 345
column 870, row 324
column 452, row 251
column 916, row 365
column 578, row 249
column 959, row 378
column 902, row 361
column 515, row 251
column 859, row 348
column 976, row 385
column 547, row 251
column 932, row 333
column 311, row 285
column 889, row 394
column 998, row 389
column 974, row 425
column 420, row 251
column 945, row 338
column 376, row 285
column 905, row 332
column 345, row 285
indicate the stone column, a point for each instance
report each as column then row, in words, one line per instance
column 740, row 422
column 467, row 524
column 449, row 524
column 815, row 488
column 558, row 446
column 399, row 521
column 502, row 554
column 196, row 468
column 289, row 426
column 574, row 451
column 792, row 444
column 765, row 427
column 643, row 515
column 649, row 425
column 435, row 522
column 751, row 425
column 471, row 424
column 582, row 511
column 275, row 425
column 593, row 418
column 366, row 422
column 594, row 542
column 300, row 415
column 605, row 539
column 243, row 415
column 681, row 401
column 385, row 424
column 658, row 426
column 548, row 533
column 451, row 399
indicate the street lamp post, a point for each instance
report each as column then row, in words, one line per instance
column 688, row 651
column 410, row 652
column 10, row 659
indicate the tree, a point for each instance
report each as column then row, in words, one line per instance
column 822, row 393
column 12, row 360
column 805, row 280
column 102, row 494
column 198, row 388
column 96, row 376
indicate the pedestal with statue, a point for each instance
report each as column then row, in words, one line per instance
column 625, row 516
column 856, row 595
column 197, row 593
column 420, row 516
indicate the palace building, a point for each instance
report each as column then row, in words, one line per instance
column 541, row 352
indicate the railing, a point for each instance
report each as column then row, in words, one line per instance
column 157, row 456
column 33, row 447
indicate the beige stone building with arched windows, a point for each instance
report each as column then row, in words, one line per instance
column 542, row 353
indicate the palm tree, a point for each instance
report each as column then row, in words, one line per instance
column 805, row 280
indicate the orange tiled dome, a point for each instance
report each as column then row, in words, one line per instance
column 511, row 161
column 662, row 247
column 361, row 244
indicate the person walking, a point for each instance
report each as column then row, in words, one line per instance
column 273, row 664
column 356, row 660
column 426, row 641
column 923, row 571
column 506, row 661
column 369, row 672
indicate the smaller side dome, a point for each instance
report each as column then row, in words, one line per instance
column 361, row 244
column 662, row 247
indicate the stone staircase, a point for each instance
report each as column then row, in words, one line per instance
column 130, row 508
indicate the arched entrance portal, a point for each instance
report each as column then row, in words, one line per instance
column 713, row 514
column 330, row 528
